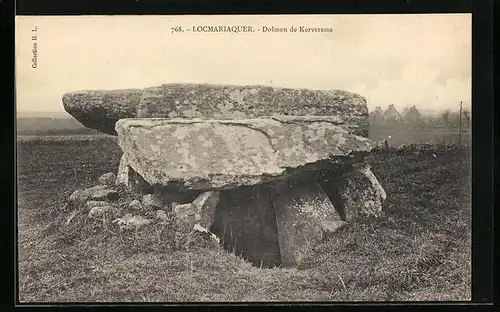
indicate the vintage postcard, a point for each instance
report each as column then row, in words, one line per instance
column 244, row 158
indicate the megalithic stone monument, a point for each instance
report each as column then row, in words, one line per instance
column 287, row 165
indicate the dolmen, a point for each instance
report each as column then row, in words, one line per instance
column 268, row 171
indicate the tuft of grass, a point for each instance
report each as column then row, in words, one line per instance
column 420, row 249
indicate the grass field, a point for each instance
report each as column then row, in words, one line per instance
column 420, row 250
column 402, row 135
column 51, row 126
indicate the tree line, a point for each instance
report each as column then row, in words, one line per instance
column 412, row 117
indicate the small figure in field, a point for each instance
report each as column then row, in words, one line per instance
column 386, row 144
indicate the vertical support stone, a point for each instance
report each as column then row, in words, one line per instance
column 122, row 175
column 302, row 209
column 130, row 179
column 137, row 183
column 361, row 193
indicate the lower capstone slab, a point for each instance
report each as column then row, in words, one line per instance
column 223, row 154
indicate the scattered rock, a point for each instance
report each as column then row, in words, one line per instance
column 186, row 216
column 135, row 205
column 72, row 216
column 199, row 228
column 162, row 215
column 96, row 193
column 331, row 226
column 198, row 215
column 107, row 179
column 172, row 205
column 201, row 211
column 105, row 194
column 152, row 202
column 224, row 154
column 129, row 222
column 81, row 196
column 99, row 211
column 96, row 203
column 204, row 206
column 139, row 221
column 123, row 220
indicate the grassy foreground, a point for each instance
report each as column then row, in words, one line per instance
column 419, row 251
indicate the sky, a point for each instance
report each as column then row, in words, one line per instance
column 422, row 60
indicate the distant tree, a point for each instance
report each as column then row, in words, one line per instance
column 466, row 118
column 446, row 118
column 405, row 110
column 454, row 120
column 430, row 121
column 435, row 121
column 376, row 116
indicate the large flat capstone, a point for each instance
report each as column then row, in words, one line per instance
column 101, row 109
column 196, row 154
